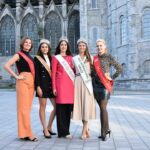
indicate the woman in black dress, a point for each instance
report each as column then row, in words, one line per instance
column 43, row 85
column 103, row 82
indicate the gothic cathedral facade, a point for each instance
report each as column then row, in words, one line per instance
column 124, row 24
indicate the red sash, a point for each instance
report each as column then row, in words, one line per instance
column 30, row 63
column 107, row 83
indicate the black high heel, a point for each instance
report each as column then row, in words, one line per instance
column 51, row 132
column 103, row 138
column 100, row 137
column 46, row 136
column 108, row 132
column 28, row 139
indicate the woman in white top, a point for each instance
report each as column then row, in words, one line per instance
column 43, row 85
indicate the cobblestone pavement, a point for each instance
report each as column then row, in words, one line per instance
column 129, row 117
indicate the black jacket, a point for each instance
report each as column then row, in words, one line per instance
column 42, row 77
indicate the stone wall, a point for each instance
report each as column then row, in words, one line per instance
column 135, row 54
column 103, row 21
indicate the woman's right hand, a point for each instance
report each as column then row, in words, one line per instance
column 108, row 76
column 20, row 77
column 55, row 92
column 39, row 91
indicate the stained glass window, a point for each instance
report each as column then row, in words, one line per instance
column 124, row 70
column 7, row 36
column 73, row 31
column 94, row 36
column 123, row 30
column 147, row 67
column 146, row 24
column 29, row 28
column 53, row 29
column 93, row 3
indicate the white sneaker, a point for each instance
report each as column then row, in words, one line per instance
column 69, row 136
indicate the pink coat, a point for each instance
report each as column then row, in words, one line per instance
column 61, row 82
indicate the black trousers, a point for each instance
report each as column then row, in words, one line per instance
column 63, row 116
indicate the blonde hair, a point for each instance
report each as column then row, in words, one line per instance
column 104, row 42
column 101, row 40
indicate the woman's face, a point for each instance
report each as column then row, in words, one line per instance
column 27, row 45
column 63, row 47
column 101, row 48
column 82, row 47
column 44, row 48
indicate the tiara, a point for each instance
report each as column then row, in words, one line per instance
column 82, row 40
column 45, row 41
column 63, row 39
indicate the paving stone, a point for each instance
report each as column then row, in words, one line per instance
column 128, row 117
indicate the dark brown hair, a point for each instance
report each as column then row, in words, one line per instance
column 23, row 41
column 87, row 54
column 57, row 51
column 39, row 53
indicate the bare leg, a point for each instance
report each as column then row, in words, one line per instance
column 88, row 132
column 42, row 115
column 52, row 115
column 84, row 130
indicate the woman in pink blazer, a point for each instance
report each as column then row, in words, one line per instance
column 63, row 86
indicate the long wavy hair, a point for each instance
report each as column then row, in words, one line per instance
column 86, row 53
column 39, row 52
column 57, row 51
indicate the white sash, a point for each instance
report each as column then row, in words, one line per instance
column 66, row 66
column 83, row 72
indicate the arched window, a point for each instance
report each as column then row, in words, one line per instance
column 73, row 31
column 124, row 70
column 123, row 30
column 29, row 28
column 7, row 36
column 146, row 24
column 94, row 36
column 146, row 67
column 53, row 29
column 93, row 3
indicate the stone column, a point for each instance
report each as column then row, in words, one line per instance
column 83, row 19
column 19, row 9
column 41, row 23
column 41, row 8
column 65, row 19
column 1, row 3
column 113, row 30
